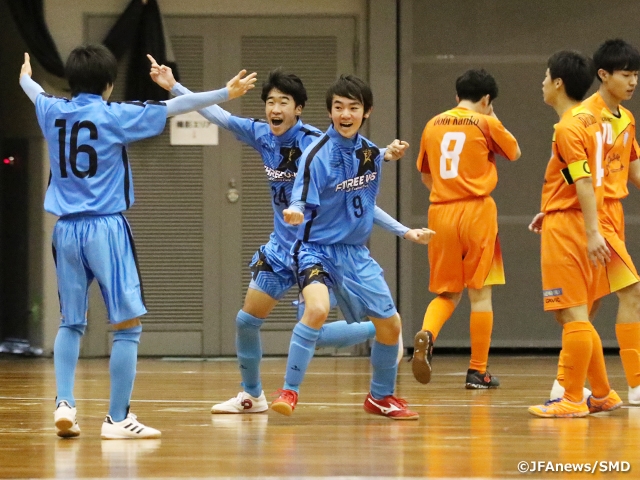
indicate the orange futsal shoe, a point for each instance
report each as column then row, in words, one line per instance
column 389, row 406
column 560, row 408
column 286, row 402
column 606, row 404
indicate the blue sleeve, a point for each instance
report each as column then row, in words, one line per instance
column 214, row 113
column 140, row 120
column 195, row 101
column 30, row 87
column 386, row 221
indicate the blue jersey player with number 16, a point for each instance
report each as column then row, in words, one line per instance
column 90, row 186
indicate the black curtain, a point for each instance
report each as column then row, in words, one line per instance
column 29, row 18
column 140, row 31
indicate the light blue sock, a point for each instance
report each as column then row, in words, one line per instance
column 249, row 351
column 384, row 360
column 342, row 334
column 301, row 349
column 66, row 350
column 122, row 368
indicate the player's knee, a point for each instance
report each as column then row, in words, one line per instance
column 316, row 311
column 78, row 327
column 247, row 321
column 452, row 296
column 128, row 334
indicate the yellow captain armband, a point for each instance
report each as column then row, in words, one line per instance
column 576, row 171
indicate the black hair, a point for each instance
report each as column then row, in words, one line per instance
column 350, row 86
column 474, row 84
column 575, row 70
column 287, row 83
column 616, row 54
column 90, row 68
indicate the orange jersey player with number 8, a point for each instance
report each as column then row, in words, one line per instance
column 457, row 163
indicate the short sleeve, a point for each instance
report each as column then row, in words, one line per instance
column 245, row 130
column 422, row 163
column 43, row 102
column 635, row 151
column 140, row 120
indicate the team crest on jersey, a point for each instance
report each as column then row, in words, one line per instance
column 613, row 164
column 367, row 171
column 286, row 171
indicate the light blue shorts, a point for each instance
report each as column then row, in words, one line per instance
column 271, row 270
column 356, row 279
column 101, row 247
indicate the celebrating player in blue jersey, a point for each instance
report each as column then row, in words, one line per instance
column 90, row 185
column 280, row 141
column 333, row 201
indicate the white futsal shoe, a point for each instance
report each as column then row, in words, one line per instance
column 557, row 391
column 634, row 395
column 243, row 403
column 65, row 420
column 130, row 427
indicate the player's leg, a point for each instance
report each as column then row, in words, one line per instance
column 271, row 278
column 567, row 281
column 445, row 279
column 483, row 268
column 109, row 238
column 480, row 326
column 73, row 290
column 628, row 335
column 384, row 351
column 303, row 342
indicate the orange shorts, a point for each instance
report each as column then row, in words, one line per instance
column 465, row 251
column 569, row 278
column 620, row 271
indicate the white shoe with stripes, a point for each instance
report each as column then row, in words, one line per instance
column 130, row 427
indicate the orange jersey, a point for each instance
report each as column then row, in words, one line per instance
column 458, row 148
column 574, row 155
column 619, row 145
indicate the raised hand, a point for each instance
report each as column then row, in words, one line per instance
column 26, row 66
column 241, row 84
column 419, row 235
column 161, row 74
column 395, row 150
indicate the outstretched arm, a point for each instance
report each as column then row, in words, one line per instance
column 163, row 76
column 386, row 221
column 31, row 88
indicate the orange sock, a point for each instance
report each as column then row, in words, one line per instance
column 480, row 327
column 561, row 359
column 438, row 312
column 577, row 345
column 597, row 371
column 629, row 340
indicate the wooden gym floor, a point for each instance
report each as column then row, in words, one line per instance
column 461, row 433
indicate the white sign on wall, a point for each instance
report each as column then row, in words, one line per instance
column 192, row 129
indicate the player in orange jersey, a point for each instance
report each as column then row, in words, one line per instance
column 617, row 64
column 573, row 250
column 457, row 163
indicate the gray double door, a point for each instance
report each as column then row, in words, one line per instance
column 193, row 241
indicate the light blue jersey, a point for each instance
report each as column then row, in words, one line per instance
column 338, row 182
column 280, row 155
column 87, row 139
